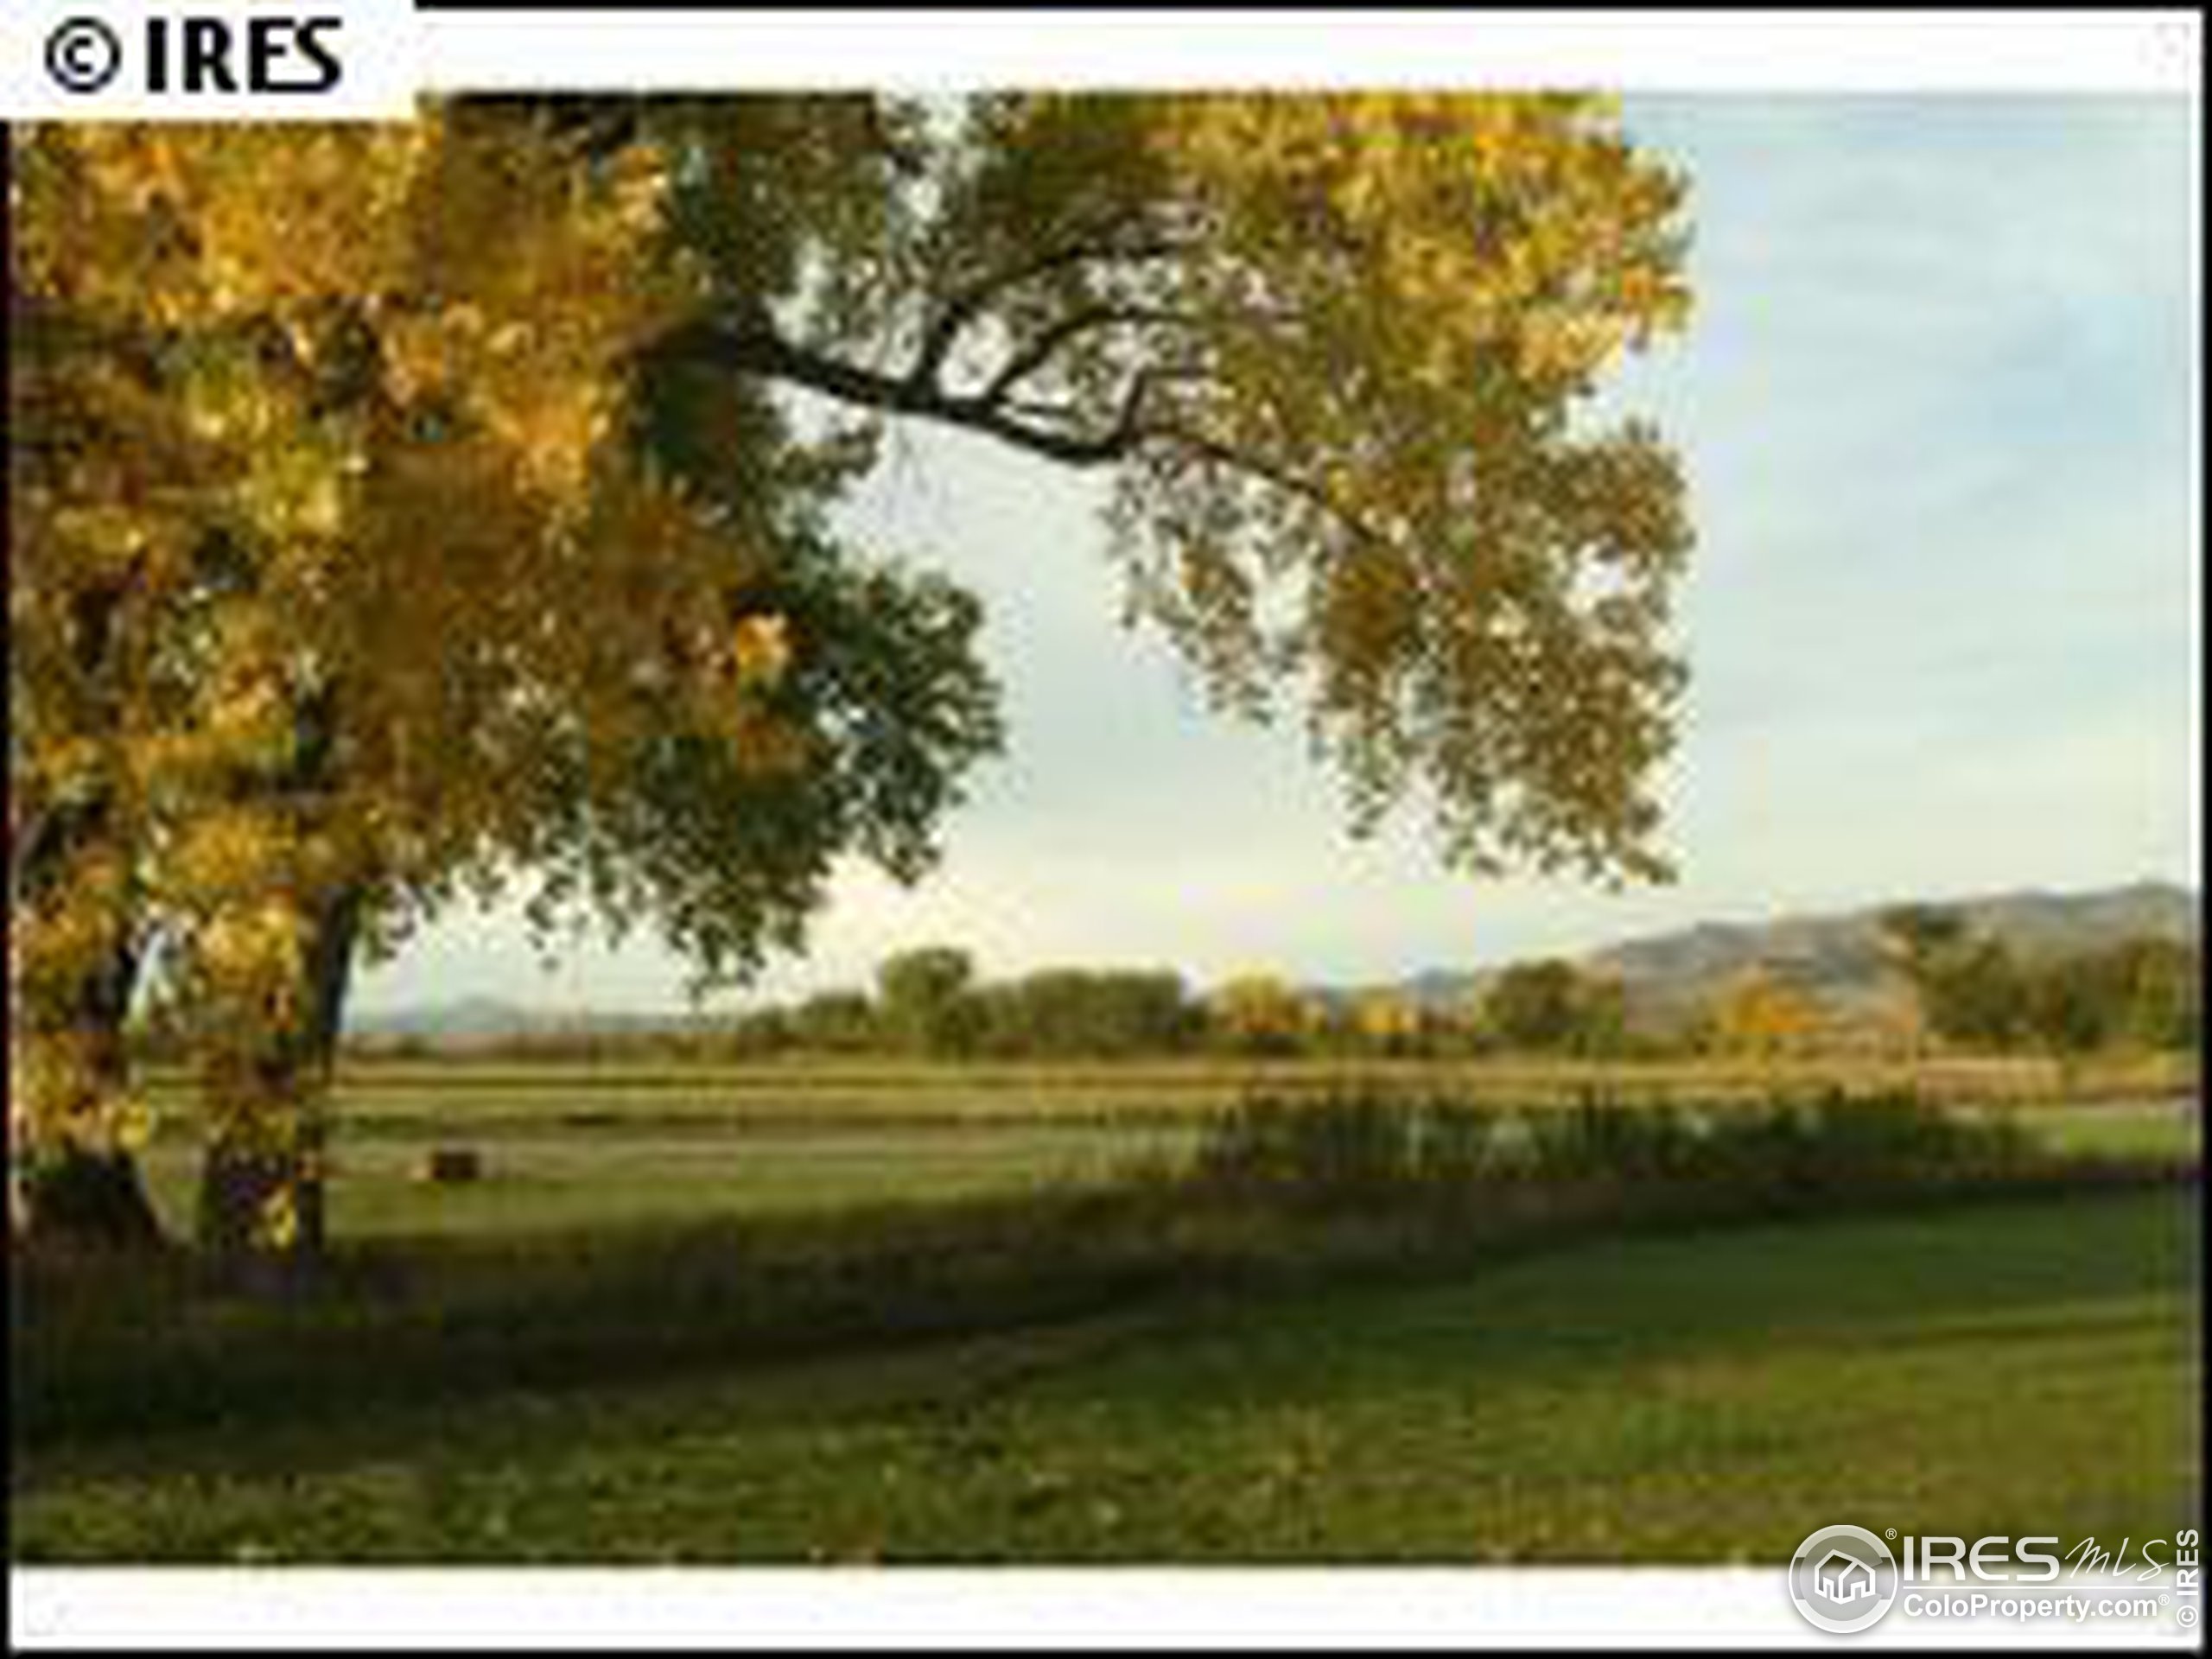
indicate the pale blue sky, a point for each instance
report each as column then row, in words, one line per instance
column 1938, row 409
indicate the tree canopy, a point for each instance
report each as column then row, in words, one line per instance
column 1340, row 354
column 400, row 510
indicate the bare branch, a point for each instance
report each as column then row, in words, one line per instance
column 966, row 305
column 756, row 348
column 1053, row 431
column 1040, row 349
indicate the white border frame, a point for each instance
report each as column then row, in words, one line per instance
column 2134, row 51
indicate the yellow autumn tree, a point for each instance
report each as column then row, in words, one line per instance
column 1758, row 1015
column 311, row 416
column 1260, row 1013
column 1390, row 1020
column 1339, row 354
column 342, row 584
column 398, row 510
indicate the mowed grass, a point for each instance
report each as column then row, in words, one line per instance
column 582, row 1145
column 619, row 1178
column 416, row 1096
column 2023, row 1366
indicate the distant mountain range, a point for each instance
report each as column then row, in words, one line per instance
column 483, row 1018
column 1838, row 957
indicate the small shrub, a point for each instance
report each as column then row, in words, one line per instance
column 1838, row 1139
column 1602, row 1138
column 1457, row 1143
column 1363, row 1144
column 1346, row 1145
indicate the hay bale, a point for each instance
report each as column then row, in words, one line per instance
column 450, row 1165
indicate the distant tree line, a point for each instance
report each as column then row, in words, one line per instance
column 1964, row 992
column 930, row 1003
column 1975, row 991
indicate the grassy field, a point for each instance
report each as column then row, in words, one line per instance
column 2006, row 1367
column 580, row 1145
column 692, row 1314
column 621, row 1177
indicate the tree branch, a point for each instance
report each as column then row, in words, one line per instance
column 1215, row 453
column 756, row 348
column 965, row 305
column 1041, row 348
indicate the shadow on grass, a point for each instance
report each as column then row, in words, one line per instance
column 1278, row 1204
column 1648, row 1342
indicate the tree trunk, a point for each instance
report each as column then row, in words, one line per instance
column 69, row 1182
column 64, row 1194
column 82, row 1200
column 247, row 1177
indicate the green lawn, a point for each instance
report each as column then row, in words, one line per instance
column 2028, row 1366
